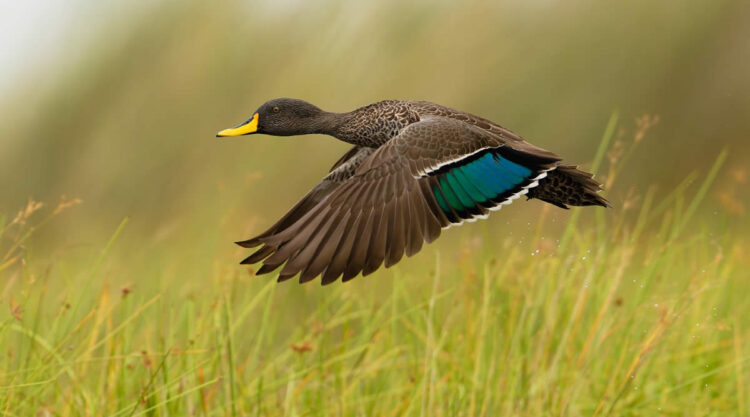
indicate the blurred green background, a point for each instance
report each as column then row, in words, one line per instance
column 122, row 113
column 132, row 302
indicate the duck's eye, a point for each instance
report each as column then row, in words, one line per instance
column 275, row 109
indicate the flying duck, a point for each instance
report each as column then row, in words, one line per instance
column 415, row 168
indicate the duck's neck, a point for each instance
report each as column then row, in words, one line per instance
column 372, row 125
column 328, row 123
column 369, row 126
column 342, row 126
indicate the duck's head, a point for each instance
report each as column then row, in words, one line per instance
column 280, row 117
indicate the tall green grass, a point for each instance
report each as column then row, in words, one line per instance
column 624, row 315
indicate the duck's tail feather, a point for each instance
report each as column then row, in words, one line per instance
column 566, row 186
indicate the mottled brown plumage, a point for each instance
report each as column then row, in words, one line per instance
column 415, row 169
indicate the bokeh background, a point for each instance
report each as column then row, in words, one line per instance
column 108, row 112
column 117, row 103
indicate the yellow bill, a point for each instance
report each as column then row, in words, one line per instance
column 250, row 126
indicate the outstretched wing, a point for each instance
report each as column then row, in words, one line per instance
column 435, row 173
column 342, row 170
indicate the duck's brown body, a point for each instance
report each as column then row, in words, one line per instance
column 415, row 168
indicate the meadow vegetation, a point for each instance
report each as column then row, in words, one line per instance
column 633, row 311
